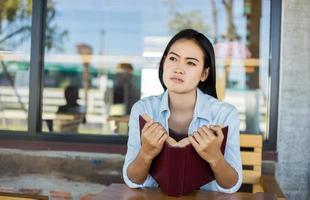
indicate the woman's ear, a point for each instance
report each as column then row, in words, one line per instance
column 204, row 75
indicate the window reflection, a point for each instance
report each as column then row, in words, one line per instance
column 100, row 38
column 15, row 25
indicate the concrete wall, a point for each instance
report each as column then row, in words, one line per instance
column 293, row 168
column 74, row 173
column 101, row 168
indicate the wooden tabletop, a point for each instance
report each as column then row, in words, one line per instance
column 122, row 192
column 21, row 196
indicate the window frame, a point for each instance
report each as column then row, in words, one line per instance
column 35, row 133
column 274, row 72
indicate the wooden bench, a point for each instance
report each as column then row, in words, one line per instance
column 251, row 156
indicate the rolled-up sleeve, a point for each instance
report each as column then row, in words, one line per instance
column 232, row 151
column 134, row 145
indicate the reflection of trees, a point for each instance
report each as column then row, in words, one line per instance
column 194, row 19
column 252, row 11
column 54, row 36
column 16, row 15
column 253, row 15
column 214, row 20
column 231, row 33
column 15, row 25
column 182, row 20
column 15, row 29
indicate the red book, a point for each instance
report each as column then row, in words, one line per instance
column 178, row 168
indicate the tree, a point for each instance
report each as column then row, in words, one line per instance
column 231, row 33
column 15, row 25
column 15, row 29
column 183, row 20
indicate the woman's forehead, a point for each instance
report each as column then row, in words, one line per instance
column 186, row 48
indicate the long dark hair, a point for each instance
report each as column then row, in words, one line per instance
column 207, row 86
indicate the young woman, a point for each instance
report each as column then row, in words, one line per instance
column 189, row 107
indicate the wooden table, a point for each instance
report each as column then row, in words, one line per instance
column 122, row 192
column 20, row 196
column 121, row 123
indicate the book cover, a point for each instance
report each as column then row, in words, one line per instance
column 178, row 168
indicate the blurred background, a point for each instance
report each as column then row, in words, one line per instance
column 101, row 56
column 87, row 45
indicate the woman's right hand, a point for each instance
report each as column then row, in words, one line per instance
column 153, row 137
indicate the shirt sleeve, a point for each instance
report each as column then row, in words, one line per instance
column 134, row 145
column 232, row 150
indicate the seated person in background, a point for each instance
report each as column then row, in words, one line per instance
column 124, row 90
column 70, row 115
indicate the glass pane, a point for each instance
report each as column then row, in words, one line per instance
column 15, row 32
column 242, row 54
column 109, row 52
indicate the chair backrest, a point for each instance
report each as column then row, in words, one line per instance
column 251, row 156
column 221, row 83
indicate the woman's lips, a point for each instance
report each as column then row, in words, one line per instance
column 176, row 80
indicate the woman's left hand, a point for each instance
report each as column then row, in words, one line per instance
column 207, row 142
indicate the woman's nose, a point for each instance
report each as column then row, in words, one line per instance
column 179, row 69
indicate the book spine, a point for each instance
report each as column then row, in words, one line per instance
column 183, row 160
column 176, row 160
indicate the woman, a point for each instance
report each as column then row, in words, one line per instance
column 188, row 106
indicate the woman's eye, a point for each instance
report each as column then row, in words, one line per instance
column 172, row 58
column 191, row 63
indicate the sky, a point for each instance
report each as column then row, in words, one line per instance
column 118, row 27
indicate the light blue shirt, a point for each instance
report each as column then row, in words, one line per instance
column 208, row 111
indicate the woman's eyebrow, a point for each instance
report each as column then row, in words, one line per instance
column 188, row 58
column 171, row 52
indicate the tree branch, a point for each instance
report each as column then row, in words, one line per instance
column 13, row 34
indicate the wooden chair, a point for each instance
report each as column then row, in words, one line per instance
column 221, row 83
column 251, row 156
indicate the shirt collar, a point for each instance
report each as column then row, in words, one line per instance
column 202, row 106
column 164, row 105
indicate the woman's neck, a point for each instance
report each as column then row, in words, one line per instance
column 182, row 103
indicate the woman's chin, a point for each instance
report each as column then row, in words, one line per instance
column 178, row 90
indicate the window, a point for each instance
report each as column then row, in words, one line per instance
column 15, row 29
column 106, row 53
column 103, row 42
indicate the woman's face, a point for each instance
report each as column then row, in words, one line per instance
column 183, row 67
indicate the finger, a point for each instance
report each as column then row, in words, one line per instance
column 198, row 137
column 194, row 142
column 218, row 130
column 152, row 128
column 202, row 132
column 159, row 133
column 147, row 125
column 209, row 132
column 156, row 131
column 203, row 135
column 148, row 133
column 163, row 138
